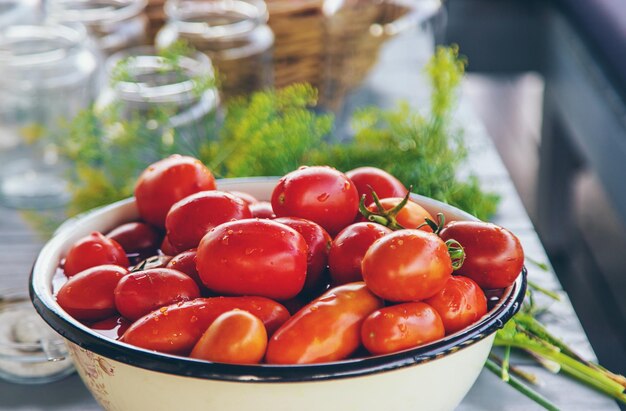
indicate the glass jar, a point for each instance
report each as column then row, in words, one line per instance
column 176, row 116
column 114, row 24
column 48, row 76
column 233, row 33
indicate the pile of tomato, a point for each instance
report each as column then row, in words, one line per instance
column 334, row 265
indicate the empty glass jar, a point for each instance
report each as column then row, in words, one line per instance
column 233, row 33
column 48, row 75
column 114, row 24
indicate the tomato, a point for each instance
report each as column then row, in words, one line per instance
column 141, row 292
column 247, row 198
column 407, row 265
column 262, row 209
column 253, row 257
column 327, row 329
column 318, row 242
column 88, row 295
column 400, row 327
column 185, row 262
column 460, row 303
column 168, row 181
column 235, row 337
column 320, row 194
column 112, row 327
column 91, row 251
column 167, row 248
column 348, row 249
column 384, row 184
column 175, row 329
column 412, row 215
column 192, row 217
column 136, row 238
column 493, row 255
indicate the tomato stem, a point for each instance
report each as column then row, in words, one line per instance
column 382, row 216
column 457, row 253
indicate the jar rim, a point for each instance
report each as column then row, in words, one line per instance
column 62, row 42
column 118, row 10
column 179, row 13
column 146, row 59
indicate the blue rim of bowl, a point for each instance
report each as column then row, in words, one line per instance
column 510, row 303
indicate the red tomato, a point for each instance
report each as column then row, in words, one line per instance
column 167, row 248
column 384, row 184
column 328, row 329
column 348, row 249
column 139, row 238
column 185, row 262
column 412, row 215
column 400, row 327
column 176, row 328
column 112, row 327
column 318, row 242
column 493, row 255
column 253, row 257
column 235, row 337
column 141, row 292
column 89, row 294
column 192, row 217
column 249, row 199
column 320, row 194
column 262, row 209
column 168, row 181
column 460, row 303
column 91, row 251
column 407, row 265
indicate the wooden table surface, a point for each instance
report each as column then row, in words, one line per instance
column 393, row 78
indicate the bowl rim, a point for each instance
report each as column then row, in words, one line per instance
column 84, row 337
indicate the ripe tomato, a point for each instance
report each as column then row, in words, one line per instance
column 493, row 255
column 247, row 198
column 235, row 337
column 400, row 327
column 167, row 248
column 384, row 184
column 407, row 265
column 175, row 329
column 262, row 209
column 141, row 292
column 460, row 303
column 327, row 329
column 168, row 181
column 91, row 251
column 88, row 295
column 185, row 262
column 318, row 242
column 112, row 327
column 348, row 249
column 320, row 194
column 136, row 238
column 192, row 217
column 253, row 257
column 412, row 215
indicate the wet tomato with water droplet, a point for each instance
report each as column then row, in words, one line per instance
column 235, row 337
column 384, row 184
column 327, row 329
column 320, row 194
column 112, row 327
column 407, row 265
column 136, row 238
column 460, row 303
column 176, row 328
column 412, row 215
column 493, row 255
column 262, row 209
column 141, row 292
column 185, row 262
column 167, row 181
column 88, row 295
column 348, row 249
column 253, row 257
column 401, row 327
column 91, row 251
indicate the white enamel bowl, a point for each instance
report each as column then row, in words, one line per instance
column 122, row 377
